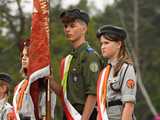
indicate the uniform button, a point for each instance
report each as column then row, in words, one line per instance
column 74, row 69
column 75, row 78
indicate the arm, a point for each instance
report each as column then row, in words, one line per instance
column 129, row 93
column 56, row 87
column 128, row 111
column 89, row 106
column 43, row 118
column 91, row 71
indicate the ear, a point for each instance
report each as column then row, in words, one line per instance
column 119, row 44
column 84, row 28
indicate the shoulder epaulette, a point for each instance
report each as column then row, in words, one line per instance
column 7, row 105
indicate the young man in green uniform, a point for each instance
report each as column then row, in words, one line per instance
column 84, row 66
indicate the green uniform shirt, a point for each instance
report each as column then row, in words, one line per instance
column 83, row 74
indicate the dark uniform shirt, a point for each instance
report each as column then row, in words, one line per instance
column 83, row 75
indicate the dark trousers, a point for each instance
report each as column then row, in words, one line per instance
column 92, row 117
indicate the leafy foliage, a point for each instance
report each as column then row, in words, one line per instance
column 15, row 27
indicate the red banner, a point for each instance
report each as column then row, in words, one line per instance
column 39, row 62
column 39, row 54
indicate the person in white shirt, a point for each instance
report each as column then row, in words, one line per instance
column 6, row 110
column 31, row 105
column 121, row 81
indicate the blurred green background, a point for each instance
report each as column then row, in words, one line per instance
column 139, row 17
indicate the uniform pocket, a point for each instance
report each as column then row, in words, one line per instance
column 115, row 84
column 76, row 79
column 115, row 112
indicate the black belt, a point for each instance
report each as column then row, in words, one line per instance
column 114, row 103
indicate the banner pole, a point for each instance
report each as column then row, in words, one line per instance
column 48, row 89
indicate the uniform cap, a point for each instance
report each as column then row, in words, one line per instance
column 75, row 14
column 5, row 77
column 112, row 32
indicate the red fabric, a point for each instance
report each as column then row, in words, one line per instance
column 157, row 117
column 62, row 68
column 104, row 90
column 21, row 94
column 35, row 94
column 98, row 102
column 39, row 54
column 67, row 113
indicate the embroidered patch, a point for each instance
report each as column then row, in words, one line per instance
column 93, row 67
column 130, row 83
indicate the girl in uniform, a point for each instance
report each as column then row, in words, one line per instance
column 30, row 106
column 116, row 87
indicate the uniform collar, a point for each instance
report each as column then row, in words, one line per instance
column 78, row 50
column 113, row 62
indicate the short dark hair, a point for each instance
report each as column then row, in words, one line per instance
column 73, row 14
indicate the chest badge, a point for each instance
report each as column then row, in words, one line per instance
column 75, row 78
column 93, row 67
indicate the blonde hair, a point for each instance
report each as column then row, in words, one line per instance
column 123, row 57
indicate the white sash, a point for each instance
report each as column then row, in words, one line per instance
column 75, row 115
column 101, row 98
column 27, row 104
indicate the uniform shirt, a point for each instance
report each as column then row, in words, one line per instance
column 126, row 92
column 83, row 74
column 122, row 87
column 27, row 108
column 42, row 106
column 5, row 108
